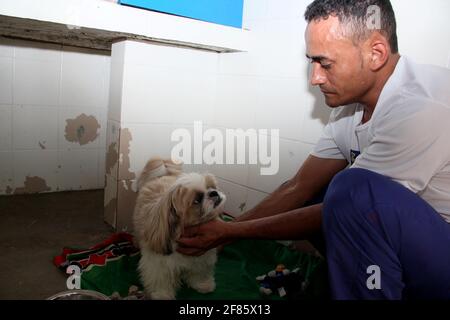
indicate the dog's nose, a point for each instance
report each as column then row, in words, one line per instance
column 215, row 196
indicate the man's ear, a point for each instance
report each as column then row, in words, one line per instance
column 379, row 51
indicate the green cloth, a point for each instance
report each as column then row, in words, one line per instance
column 238, row 265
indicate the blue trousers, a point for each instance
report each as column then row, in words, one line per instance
column 383, row 241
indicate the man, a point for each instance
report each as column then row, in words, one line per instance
column 385, row 219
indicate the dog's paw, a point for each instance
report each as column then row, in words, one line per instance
column 204, row 286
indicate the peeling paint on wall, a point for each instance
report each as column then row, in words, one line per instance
column 124, row 160
column 110, row 212
column 110, row 201
column 125, row 206
column 82, row 129
column 33, row 185
column 111, row 158
column 120, row 194
column 110, row 190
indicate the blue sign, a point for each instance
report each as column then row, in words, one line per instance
column 225, row 12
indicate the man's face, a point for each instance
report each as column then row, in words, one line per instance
column 337, row 65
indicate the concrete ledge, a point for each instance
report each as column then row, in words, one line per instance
column 98, row 23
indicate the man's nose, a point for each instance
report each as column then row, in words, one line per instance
column 317, row 75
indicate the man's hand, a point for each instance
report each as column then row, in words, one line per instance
column 196, row 240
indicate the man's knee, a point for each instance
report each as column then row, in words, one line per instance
column 344, row 189
column 346, row 181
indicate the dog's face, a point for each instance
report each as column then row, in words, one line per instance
column 193, row 199
column 196, row 199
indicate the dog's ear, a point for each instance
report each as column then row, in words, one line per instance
column 153, row 169
column 173, row 167
column 210, row 181
column 182, row 198
column 166, row 224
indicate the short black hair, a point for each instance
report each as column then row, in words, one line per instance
column 355, row 14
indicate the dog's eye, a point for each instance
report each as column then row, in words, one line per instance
column 198, row 198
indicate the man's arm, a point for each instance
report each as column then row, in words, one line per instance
column 299, row 223
column 296, row 224
column 276, row 217
column 311, row 178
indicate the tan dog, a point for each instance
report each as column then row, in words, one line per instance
column 168, row 201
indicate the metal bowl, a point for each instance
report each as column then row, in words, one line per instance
column 79, row 295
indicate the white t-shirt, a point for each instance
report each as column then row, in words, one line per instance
column 408, row 136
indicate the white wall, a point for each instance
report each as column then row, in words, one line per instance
column 42, row 86
column 423, row 30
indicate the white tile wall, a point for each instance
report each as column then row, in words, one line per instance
column 5, row 128
column 6, row 79
column 106, row 83
column 164, row 95
column 40, row 163
column 30, row 87
column 242, row 63
column 37, row 51
column 84, row 80
column 41, row 86
column 35, row 127
column 170, row 57
column 116, row 81
column 236, row 101
column 285, row 9
column 236, row 197
column 258, row 40
column 254, row 10
column 232, row 172
column 6, row 47
column 235, row 172
column 79, row 169
column 316, row 116
column 292, row 155
column 280, row 106
column 6, row 171
column 284, row 54
column 416, row 42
